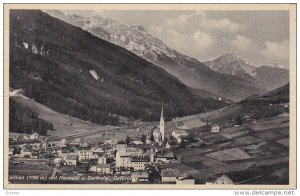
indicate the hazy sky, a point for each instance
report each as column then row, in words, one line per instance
column 262, row 37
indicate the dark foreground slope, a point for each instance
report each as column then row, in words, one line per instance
column 78, row 74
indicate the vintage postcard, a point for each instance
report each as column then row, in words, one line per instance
column 150, row 96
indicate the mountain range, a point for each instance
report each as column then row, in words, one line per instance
column 75, row 73
column 215, row 77
column 265, row 76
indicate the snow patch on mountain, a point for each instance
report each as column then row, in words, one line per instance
column 94, row 74
column 25, row 45
column 34, row 49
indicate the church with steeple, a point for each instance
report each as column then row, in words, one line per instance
column 159, row 134
column 162, row 124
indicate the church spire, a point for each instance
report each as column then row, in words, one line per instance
column 162, row 124
column 162, row 113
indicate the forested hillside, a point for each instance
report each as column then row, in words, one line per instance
column 24, row 120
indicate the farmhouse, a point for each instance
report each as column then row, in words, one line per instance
column 102, row 160
column 11, row 151
column 164, row 157
column 71, row 159
column 215, row 128
column 26, row 151
column 223, row 180
column 170, row 175
column 179, row 135
column 101, row 168
column 57, row 161
column 78, row 140
column 34, row 136
column 156, row 135
column 58, row 149
column 23, row 137
column 63, row 141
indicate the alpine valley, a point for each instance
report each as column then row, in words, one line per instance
column 227, row 76
column 94, row 101
column 75, row 73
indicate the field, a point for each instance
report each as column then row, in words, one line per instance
column 234, row 132
column 64, row 125
column 267, row 126
column 260, row 150
column 231, row 154
column 246, row 140
column 267, row 135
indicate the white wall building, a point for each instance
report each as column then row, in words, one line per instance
column 138, row 163
column 102, row 160
column 215, row 128
column 101, row 168
column 71, row 159
column 123, row 156
column 85, row 155
column 169, row 175
column 34, row 136
column 179, row 134
column 223, row 180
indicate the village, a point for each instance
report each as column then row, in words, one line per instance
column 138, row 160
column 155, row 157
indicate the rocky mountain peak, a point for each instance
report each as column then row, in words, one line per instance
column 229, row 63
column 134, row 38
column 139, row 28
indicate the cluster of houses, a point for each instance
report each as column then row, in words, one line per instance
column 109, row 157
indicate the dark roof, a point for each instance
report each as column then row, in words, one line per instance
column 140, row 159
column 102, row 165
column 67, row 168
column 71, row 156
column 169, row 154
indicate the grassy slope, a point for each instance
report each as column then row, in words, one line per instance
column 61, row 123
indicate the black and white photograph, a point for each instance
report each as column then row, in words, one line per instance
column 183, row 96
